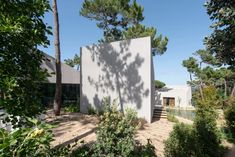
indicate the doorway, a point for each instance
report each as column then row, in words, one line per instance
column 168, row 101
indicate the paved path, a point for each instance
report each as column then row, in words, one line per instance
column 77, row 126
column 72, row 127
column 157, row 132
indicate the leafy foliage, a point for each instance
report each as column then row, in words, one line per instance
column 27, row 142
column 211, row 98
column 201, row 139
column 91, row 111
column 72, row 107
column 120, row 19
column 230, row 117
column 82, row 151
column 73, row 62
column 180, row 141
column 112, row 15
column 207, row 71
column 147, row 150
column 222, row 41
column 21, row 31
column 207, row 135
column 159, row 84
column 172, row 118
column 158, row 43
column 115, row 134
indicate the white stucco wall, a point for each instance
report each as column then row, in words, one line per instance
column 182, row 95
column 119, row 70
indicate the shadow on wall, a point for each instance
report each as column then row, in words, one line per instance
column 158, row 100
column 119, row 74
column 164, row 89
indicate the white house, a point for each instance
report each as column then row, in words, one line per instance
column 174, row 96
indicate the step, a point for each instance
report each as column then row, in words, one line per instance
column 159, row 109
column 159, row 113
column 159, row 117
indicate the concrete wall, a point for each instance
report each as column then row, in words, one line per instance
column 119, row 70
column 182, row 95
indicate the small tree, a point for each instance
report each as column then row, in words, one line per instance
column 75, row 62
column 180, row 142
column 22, row 30
column 203, row 137
column 230, row 116
column 207, row 137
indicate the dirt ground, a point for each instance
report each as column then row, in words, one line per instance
column 77, row 126
column 73, row 127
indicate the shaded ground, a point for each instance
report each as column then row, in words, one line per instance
column 73, row 126
column 77, row 126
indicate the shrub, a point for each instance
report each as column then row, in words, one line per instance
column 230, row 117
column 180, row 141
column 201, row 139
column 206, row 132
column 73, row 107
column 27, row 142
column 115, row 133
column 172, row 118
column 91, row 111
column 82, row 151
column 147, row 150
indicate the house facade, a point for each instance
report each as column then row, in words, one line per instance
column 174, row 96
column 70, row 82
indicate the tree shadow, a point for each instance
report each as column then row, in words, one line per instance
column 75, row 139
column 158, row 100
column 119, row 74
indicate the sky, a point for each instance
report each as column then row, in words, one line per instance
column 184, row 22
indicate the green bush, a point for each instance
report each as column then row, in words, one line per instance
column 27, row 142
column 73, row 107
column 230, row 117
column 91, row 111
column 172, row 118
column 147, row 150
column 82, row 151
column 211, row 97
column 115, row 133
column 207, row 135
column 202, row 139
column 180, row 142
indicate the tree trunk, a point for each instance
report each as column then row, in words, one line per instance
column 201, row 89
column 190, row 75
column 233, row 91
column 57, row 99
